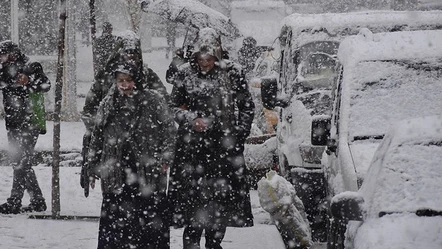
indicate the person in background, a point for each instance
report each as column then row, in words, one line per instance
column 19, row 79
column 130, row 150
column 104, row 46
column 127, row 50
column 209, row 189
column 248, row 54
column 178, row 59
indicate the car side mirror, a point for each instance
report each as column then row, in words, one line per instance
column 320, row 130
column 269, row 92
column 331, row 146
column 347, row 206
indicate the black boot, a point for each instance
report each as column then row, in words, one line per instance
column 35, row 206
column 10, row 208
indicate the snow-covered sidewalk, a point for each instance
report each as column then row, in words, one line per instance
column 18, row 231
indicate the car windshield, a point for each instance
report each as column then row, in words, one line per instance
column 384, row 92
column 326, row 47
column 317, row 65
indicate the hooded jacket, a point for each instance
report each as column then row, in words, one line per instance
column 140, row 128
column 104, row 79
column 18, row 108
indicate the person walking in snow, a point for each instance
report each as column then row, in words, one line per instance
column 178, row 59
column 19, row 79
column 127, row 50
column 209, row 189
column 130, row 150
column 248, row 54
column 104, row 46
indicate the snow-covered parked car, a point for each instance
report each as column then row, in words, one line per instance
column 309, row 68
column 399, row 205
column 303, row 96
column 385, row 78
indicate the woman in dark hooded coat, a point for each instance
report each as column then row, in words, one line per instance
column 214, row 110
column 130, row 149
column 127, row 50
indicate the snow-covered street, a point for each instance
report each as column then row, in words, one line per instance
column 19, row 231
column 342, row 99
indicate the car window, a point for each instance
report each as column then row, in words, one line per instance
column 318, row 102
column 325, row 47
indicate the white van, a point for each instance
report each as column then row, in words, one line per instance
column 309, row 70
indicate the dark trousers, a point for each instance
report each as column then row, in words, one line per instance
column 130, row 221
column 22, row 143
column 214, row 236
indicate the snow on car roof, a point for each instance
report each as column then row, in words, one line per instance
column 389, row 46
column 353, row 20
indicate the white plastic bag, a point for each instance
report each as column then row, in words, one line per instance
column 278, row 197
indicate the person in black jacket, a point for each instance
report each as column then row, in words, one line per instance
column 105, row 45
column 127, row 50
column 214, row 109
column 19, row 78
column 248, row 54
column 130, row 150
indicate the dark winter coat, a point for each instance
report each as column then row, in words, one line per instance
column 142, row 142
column 209, row 175
column 248, row 54
column 105, row 78
column 18, row 107
column 176, row 62
column 105, row 45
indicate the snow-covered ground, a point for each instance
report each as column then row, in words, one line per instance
column 19, row 231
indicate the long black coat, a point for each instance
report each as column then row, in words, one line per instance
column 209, row 177
column 150, row 140
column 131, row 144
